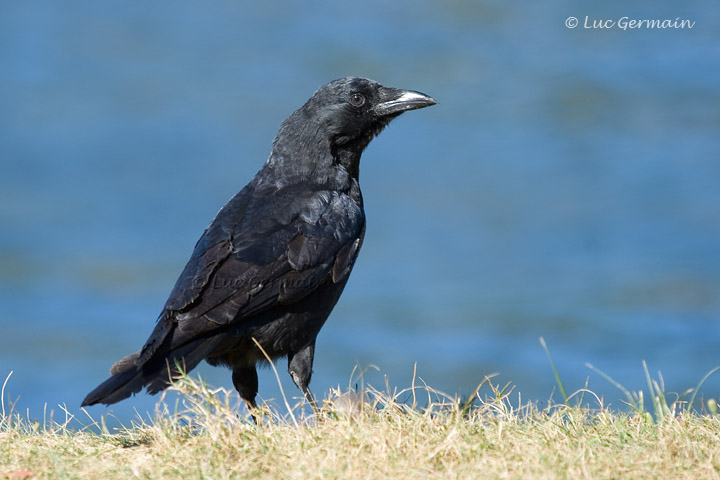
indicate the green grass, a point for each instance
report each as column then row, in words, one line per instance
column 370, row 433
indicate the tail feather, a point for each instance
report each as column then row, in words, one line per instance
column 185, row 358
column 128, row 378
column 118, row 387
column 124, row 364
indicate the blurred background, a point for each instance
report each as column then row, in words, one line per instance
column 567, row 186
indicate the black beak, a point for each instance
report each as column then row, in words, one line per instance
column 394, row 101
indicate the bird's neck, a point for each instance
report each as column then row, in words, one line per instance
column 309, row 158
column 285, row 168
column 349, row 160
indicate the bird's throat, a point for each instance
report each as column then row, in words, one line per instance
column 348, row 159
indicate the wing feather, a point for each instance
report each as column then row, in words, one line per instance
column 249, row 261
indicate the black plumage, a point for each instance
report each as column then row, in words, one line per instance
column 274, row 261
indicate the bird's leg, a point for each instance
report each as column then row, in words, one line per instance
column 300, row 368
column 245, row 380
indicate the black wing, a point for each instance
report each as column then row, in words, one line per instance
column 260, row 251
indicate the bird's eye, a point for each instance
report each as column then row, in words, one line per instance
column 357, row 100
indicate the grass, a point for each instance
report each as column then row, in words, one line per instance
column 369, row 433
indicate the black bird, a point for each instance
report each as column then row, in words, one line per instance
column 273, row 262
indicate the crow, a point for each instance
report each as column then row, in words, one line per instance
column 271, row 265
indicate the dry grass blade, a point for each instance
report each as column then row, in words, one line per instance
column 277, row 377
column 2, row 395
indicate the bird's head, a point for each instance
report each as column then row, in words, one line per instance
column 342, row 117
column 354, row 110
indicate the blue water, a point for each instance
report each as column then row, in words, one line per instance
column 565, row 187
